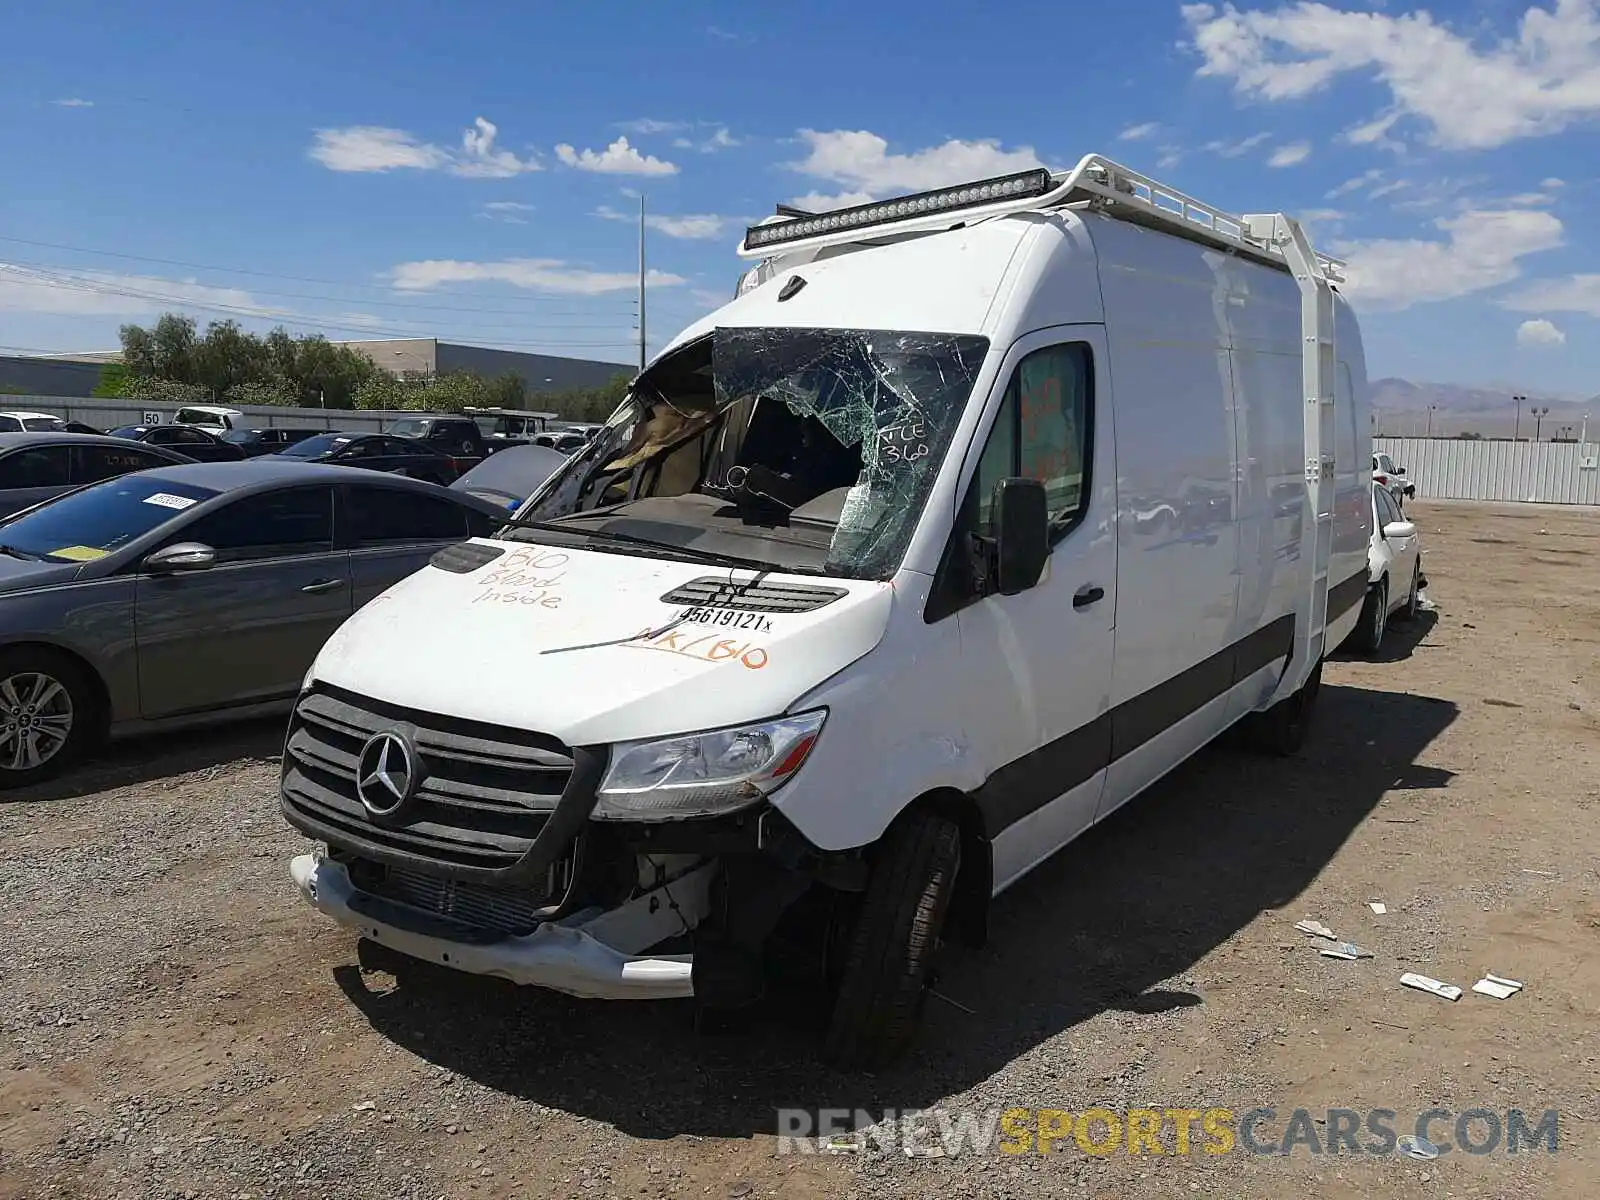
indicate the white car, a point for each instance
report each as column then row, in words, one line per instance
column 209, row 417
column 1392, row 477
column 31, row 422
column 1394, row 572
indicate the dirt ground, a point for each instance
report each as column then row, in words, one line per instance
column 174, row 1022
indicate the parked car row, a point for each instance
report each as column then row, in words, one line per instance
column 1392, row 478
column 1395, row 576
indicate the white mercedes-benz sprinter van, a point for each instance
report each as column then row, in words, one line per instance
column 972, row 515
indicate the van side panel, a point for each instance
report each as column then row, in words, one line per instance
column 1167, row 303
column 1352, row 529
column 1264, row 327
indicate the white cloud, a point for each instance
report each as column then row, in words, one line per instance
column 689, row 227
column 73, row 102
column 507, row 212
column 534, row 274
column 1539, row 333
column 861, row 162
column 818, row 202
column 1481, row 250
column 1374, row 132
column 1290, row 155
column 710, row 299
column 1135, row 133
column 1235, row 149
column 1552, row 183
column 106, row 293
column 1170, row 156
column 720, row 139
column 480, row 160
column 1528, row 199
column 365, row 148
column 1365, row 179
column 649, row 125
column 1575, row 293
column 1466, row 96
column 618, row 158
column 375, row 148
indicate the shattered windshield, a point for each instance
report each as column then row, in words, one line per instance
column 815, row 449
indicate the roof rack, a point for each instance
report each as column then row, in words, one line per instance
column 1096, row 179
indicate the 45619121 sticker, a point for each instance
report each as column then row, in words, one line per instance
column 727, row 618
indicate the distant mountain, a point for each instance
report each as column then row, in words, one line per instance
column 1402, row 407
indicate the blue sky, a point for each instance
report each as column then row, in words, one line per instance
column 470, row 171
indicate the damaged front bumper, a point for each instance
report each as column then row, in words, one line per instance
column 593, row 954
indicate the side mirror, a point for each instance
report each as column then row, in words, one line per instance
column 1021, row 534
column 1400, row 529
column 181, row 556
column 1399, row 470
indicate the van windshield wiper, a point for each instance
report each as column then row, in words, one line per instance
column 25, row 555
column 706, row 556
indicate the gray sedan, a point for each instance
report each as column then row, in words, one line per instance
column 37, row 466
column 193, row 594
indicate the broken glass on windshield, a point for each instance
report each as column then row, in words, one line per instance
column 810, row 449
column 890, row 402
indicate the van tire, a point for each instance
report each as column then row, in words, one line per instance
column 891, row 951
column 1374, row 618
column 1281, row 730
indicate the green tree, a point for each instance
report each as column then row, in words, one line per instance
column 165, row 391
column 138, row 350
column 380, row 390
column 227, row 357
column 507, row 391
column 172, row 347
column 452, row 392
column 282, row 355
column 114, row 379
column 278, row 392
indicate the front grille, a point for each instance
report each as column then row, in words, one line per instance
column 479, row 908
column 486, row 791
column 761, row 596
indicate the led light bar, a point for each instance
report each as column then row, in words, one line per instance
column 951, row 199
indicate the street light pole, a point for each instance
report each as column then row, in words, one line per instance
column 1516, row 430
column 1431, row 407
column 1538, row 414
column 641, row 285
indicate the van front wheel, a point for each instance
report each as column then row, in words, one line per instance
column 891, row 951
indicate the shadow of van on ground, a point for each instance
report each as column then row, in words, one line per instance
column 1133, row 903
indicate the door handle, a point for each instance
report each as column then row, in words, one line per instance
column 317, row 586
column 1088, row 594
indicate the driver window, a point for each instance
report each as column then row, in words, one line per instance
column 1042, row 432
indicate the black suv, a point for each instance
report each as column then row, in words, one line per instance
column 458, row 437
column 256, row 442
column 185, row 439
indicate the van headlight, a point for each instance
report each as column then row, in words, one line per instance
column 700, row 774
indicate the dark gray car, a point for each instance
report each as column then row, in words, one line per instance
column 37, row 466
column 194, row 594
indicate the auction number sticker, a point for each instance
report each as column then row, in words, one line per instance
column 168, row 500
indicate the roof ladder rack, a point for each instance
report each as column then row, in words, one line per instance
column 1318, row 358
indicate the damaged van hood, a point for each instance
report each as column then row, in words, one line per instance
column 594, row 647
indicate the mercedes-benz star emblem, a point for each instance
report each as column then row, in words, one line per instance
column 386, row 773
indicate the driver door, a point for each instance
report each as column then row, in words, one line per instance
column 246, row 629
column 1036, row 666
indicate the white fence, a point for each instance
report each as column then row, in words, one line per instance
column 110, row 414
column 1464, row 469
